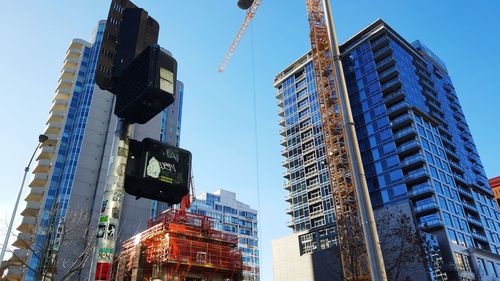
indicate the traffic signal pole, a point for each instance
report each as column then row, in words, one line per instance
column 111, row 206
column 374, row 251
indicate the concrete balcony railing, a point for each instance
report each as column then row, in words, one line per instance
column 35, row 194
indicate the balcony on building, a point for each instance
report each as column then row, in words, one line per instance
column 462, row 191
column 388, row 74
column 452, row 155
column 307, row 136
column 32, row 209
column 35, row 194
column 431, row 225
column 379, row 43
column 281, row 112
column 408, row 148
column 15, row 273
column 288, row 197
column 308, row 147
column 27, row 225
column 313, row 184
column 474, row 221
column 279, row 94
column 412, row 162
column 43, row 166
column 39, row 180
column 316, row 214
column 426, row 208
column 287, row 186
column 401, row 121
column 405, row 134
column 59, row 105
column 397, row 109
column 420, row 191
column 469, row 206
column 391, row 85
column 315, row 199
column 479, row 236
column 416, row 176
column 392, row 98
column 53, row 128
column 23, row 241
column 455, row 167
column 283, row 132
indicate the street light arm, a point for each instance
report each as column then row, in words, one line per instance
column 41, row 139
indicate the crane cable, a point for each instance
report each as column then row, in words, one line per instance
column 257, row 166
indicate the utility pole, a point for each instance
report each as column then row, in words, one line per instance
column 375, row 258
column 111, row 206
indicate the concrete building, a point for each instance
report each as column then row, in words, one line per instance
column 416, row 147
column 70, row 171
column 233, row 217
column 495, row 188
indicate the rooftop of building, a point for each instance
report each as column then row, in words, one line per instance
column 377, row 27
column 227, row 198
column 495, row 182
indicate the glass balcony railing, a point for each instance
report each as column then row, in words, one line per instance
column 413, row 160
column 401, row 119
column 392, row 84
column 394, row 98
column 479, row 236
column 382, row 51
column 474, row 221
column 435, row 223
column 399, row 107
column 465, row 192
column 426, row 207
column 469, row 206
column 405, row 132
column 408, row 147
column 417, row 175
column 420, row 190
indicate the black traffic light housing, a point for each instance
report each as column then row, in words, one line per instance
column 157, row 171
column 129, row 30
column 146, row 86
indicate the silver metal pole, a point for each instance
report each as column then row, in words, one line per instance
column 375, row 259
column 111, row 206
column 9, row 229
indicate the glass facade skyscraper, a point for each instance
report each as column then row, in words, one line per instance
column 415, row 144
column 70, row 171
column 233, row 217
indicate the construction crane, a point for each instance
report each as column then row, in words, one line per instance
column 251, row 6
column 358, row 241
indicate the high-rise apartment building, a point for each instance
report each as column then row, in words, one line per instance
column 70, row 171
column 416, row 147
column 233, row 217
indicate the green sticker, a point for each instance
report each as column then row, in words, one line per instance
column 103, row 219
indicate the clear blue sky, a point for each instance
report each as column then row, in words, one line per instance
column 218, row 116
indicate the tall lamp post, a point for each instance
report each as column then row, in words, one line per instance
column 41, row 140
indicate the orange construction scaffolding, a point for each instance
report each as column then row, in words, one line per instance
column 180, row 246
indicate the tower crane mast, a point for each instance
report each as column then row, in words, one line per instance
column 356, row 230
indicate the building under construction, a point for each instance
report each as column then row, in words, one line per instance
column 180, row 246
